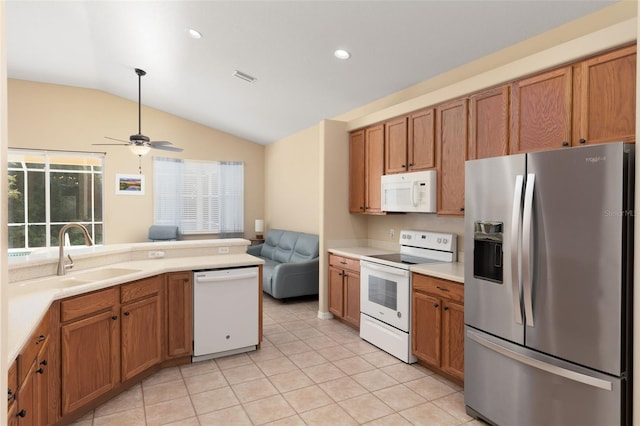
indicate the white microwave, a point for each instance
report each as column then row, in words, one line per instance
column 409, row 192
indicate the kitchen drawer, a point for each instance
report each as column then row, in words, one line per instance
column 344, row 262
column 12, row 382
column 140, row 289
column 441, row 288
column 80, row 306
column 32, row 347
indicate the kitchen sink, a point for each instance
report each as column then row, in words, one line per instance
column 79, row 278
column 98, row 274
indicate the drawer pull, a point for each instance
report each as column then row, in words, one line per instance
column 22, row 413
column 442, row 288
column 11, row 394
column 40, row 339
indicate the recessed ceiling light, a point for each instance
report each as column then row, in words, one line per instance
column 194, row 34
column 342, row 54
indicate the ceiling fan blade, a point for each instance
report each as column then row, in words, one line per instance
column 111, row 144
column 167, row 148
column 116, row 139
column 159, row 143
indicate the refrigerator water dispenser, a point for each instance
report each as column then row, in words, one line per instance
column 487, row 247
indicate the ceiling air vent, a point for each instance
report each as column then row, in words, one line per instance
column 243, row 76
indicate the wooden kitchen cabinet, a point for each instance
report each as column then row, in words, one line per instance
column 451, row 144
column 179, row 314
column 410, row 142
column 489, row 123
column 90, row 347
column 395, row 146
column 541, row 111
column 366, row 167
column 29, row 404
column 141, row 326
column 438, row 324
column 344, row 288
column 421, row 144
column 12, row 391
column 605, row 98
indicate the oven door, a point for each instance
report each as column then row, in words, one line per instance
column 385, row 294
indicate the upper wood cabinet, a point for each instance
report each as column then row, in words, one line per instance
column 451, row 144
column 489, row 123
column 541, row 111
column 421, row 144
column 366, row 167
column 605, row 98
column 409, row 144
column 395, row 146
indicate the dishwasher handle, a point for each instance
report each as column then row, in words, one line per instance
column 234, row 277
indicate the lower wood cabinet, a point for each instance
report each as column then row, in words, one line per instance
column 90, row 347
column 344, row 288
column 179, row 314
column 438, row 324
column 141, row 326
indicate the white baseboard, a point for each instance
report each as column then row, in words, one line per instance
column 325, row 315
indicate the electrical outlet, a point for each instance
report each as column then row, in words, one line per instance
column 392, row 232
column 223, row 250
column 155, row 254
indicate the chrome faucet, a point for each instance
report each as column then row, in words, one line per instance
column 62, row 266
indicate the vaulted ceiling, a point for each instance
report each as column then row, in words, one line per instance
column 288, row 46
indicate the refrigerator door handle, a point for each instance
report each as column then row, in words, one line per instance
column 532, row 362
column 527, row 273
column 515, row 231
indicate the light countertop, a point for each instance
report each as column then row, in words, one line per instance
column 30, row 299
column 449, row 271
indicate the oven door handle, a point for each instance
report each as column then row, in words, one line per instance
column 386, row 270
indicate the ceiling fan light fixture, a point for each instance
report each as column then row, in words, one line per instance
column 243, row 76
column 140, row 150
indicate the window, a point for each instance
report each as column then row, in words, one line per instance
column 199, row 196
column 48, row 190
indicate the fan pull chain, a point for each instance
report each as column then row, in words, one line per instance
column 140, row 163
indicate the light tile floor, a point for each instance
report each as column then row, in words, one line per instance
column 308, row 372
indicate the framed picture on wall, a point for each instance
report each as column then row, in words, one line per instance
column 129, row 184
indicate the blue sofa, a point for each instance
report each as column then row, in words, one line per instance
column 290, row 263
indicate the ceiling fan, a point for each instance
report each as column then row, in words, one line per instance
column 140, row 144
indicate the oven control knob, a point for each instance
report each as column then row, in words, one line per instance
column 399, row 314
column 445, row 241
column 439, row 240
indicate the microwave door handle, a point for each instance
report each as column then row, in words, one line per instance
column 527, row 231
column 515, row 239
column 414, row 191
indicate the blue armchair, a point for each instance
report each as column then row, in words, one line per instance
column 291, row 263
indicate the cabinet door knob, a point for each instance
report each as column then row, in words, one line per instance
column 10, row 394
column 404, row 166
column 21, row 413
column 582, row 141
column 410, row 164
column 435, row 305
column 40, row 370
column 43, row 362
column 115, row 317
column 126, row 314
column 40, row 339
column 446, row 308
column 565, row 143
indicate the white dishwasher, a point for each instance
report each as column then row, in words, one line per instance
column 225, row 312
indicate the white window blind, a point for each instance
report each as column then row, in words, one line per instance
column 199, row 196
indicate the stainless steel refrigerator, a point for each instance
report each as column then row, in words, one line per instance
column 548, row 287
